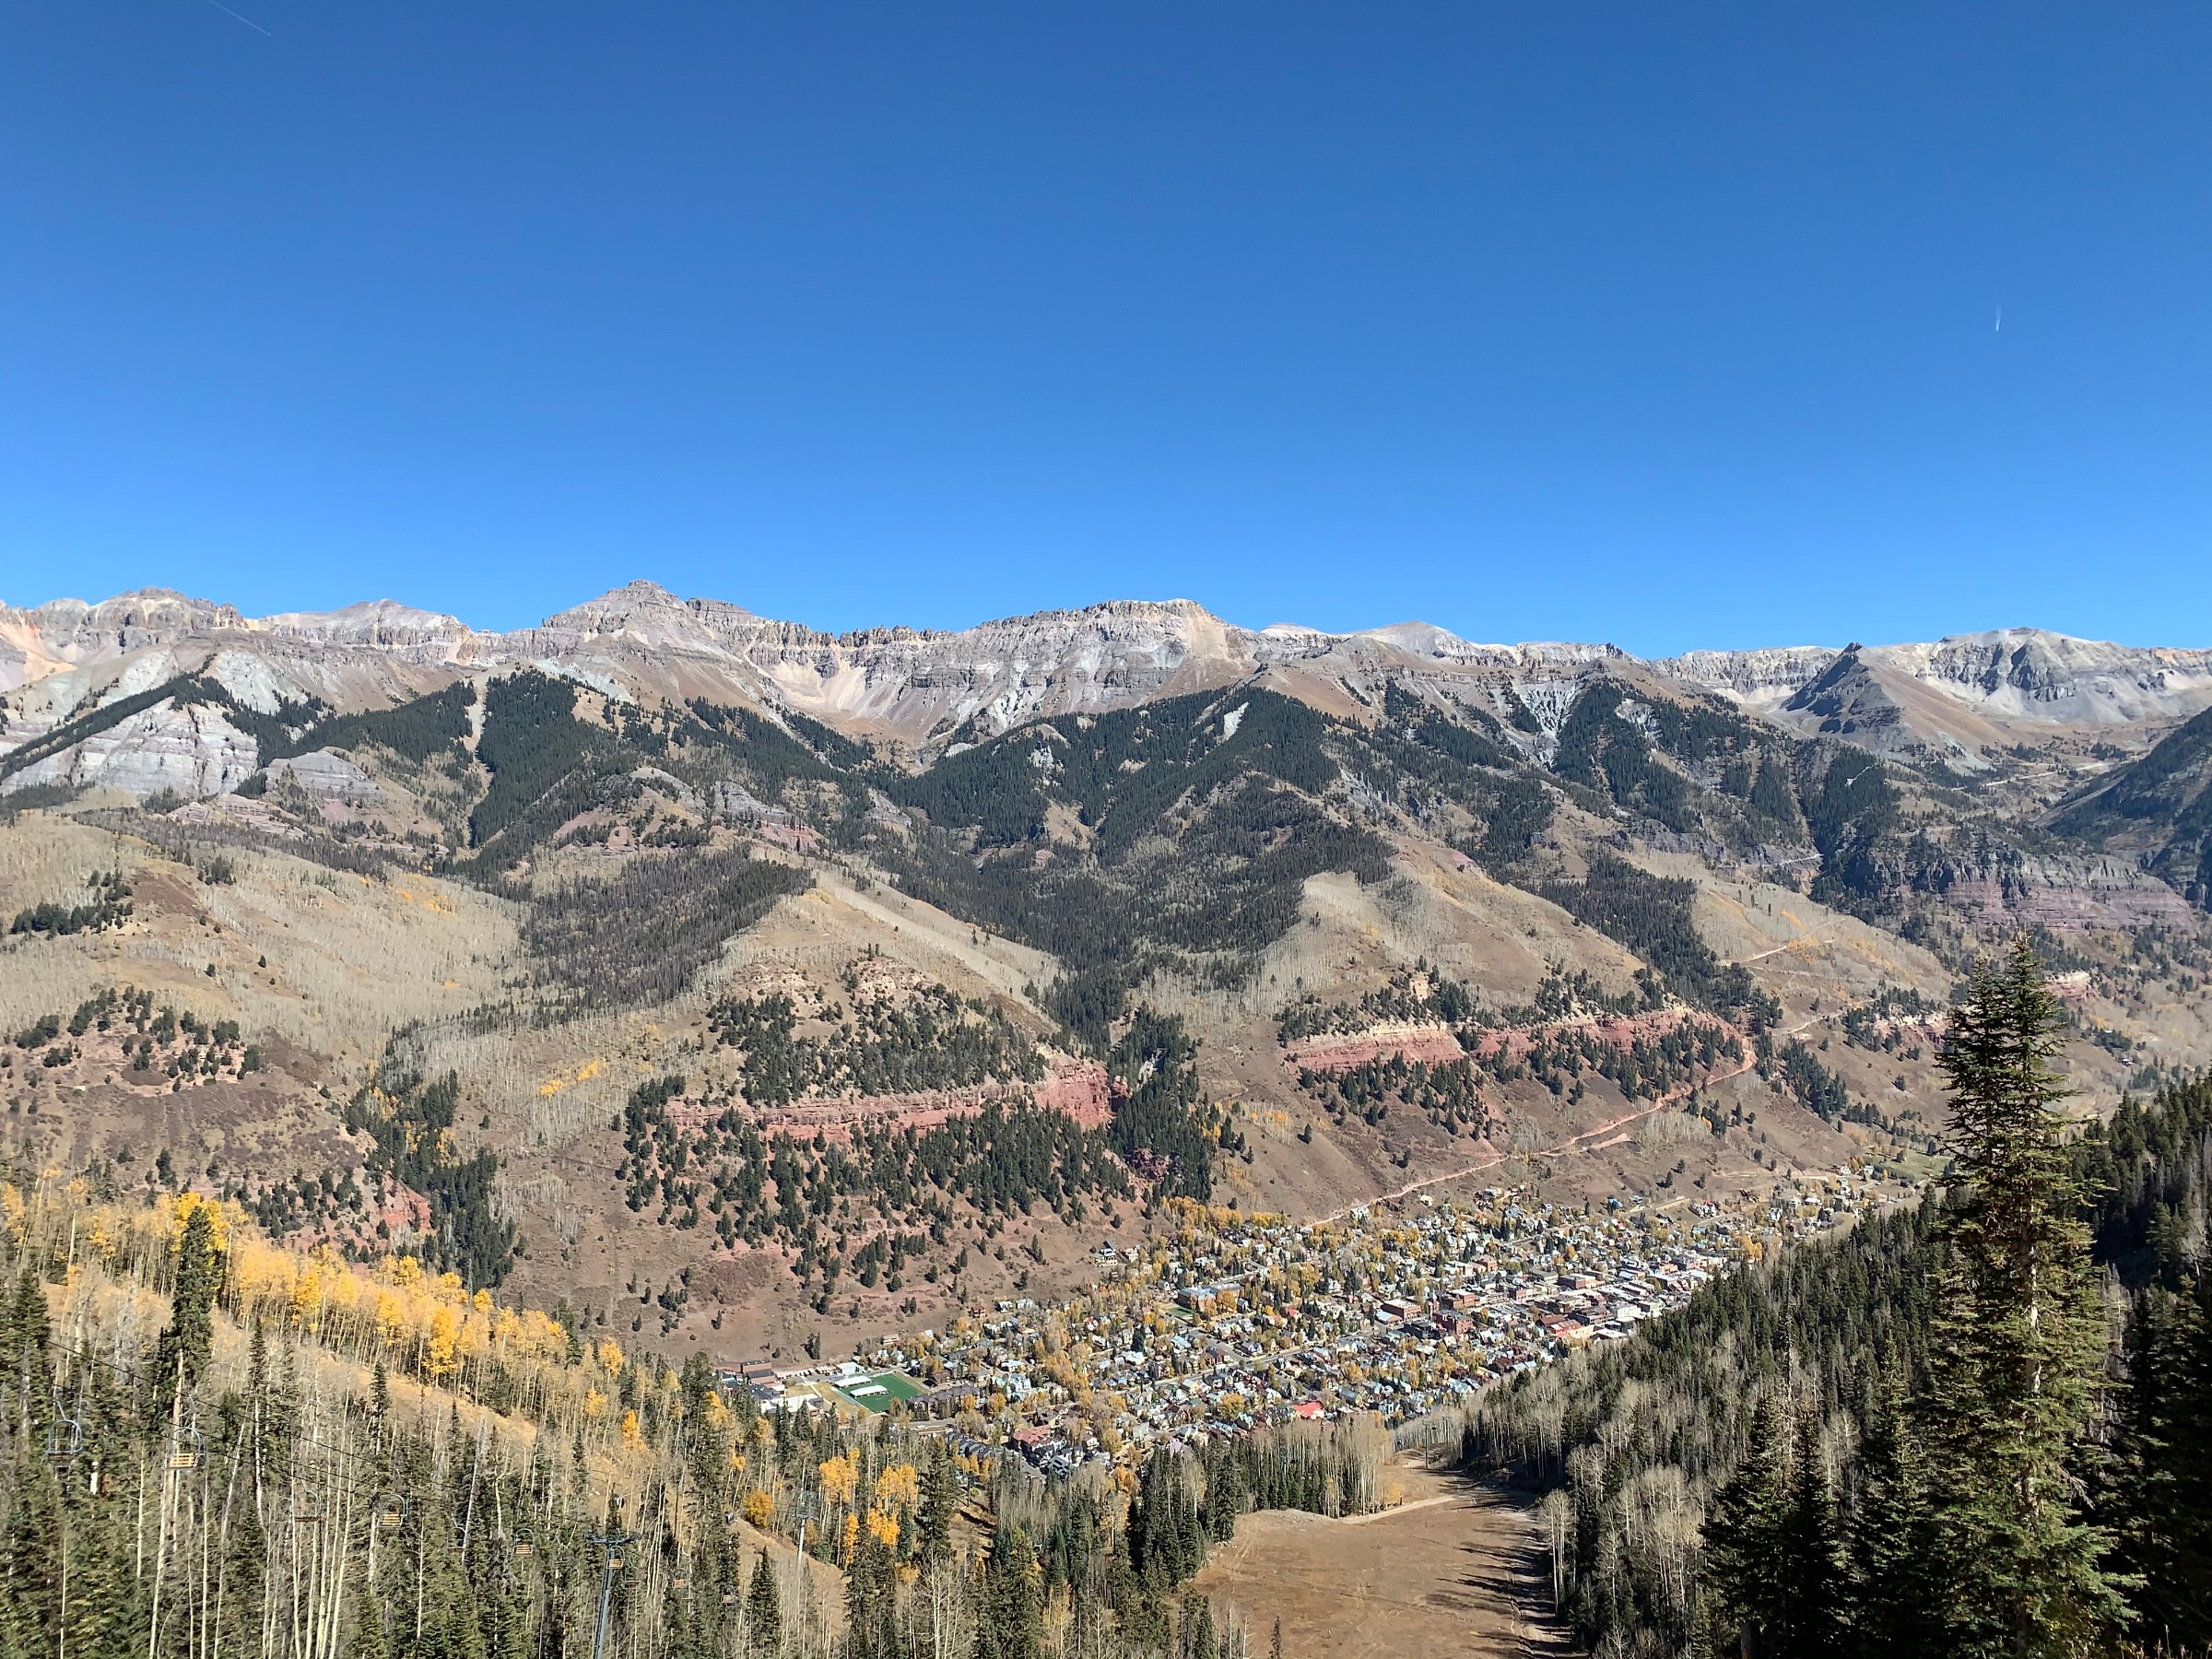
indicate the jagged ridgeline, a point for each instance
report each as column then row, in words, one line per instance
column 215, row 1446
column 1176, row 835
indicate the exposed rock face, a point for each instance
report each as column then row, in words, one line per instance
column 1960, row 692
column 192, row 751
column 1953, row 697
column 326, row 775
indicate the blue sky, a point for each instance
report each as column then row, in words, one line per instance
column 1670, row 325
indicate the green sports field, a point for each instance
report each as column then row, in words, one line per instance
column 876, row 1393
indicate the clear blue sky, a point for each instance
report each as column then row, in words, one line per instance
column 1667, row 324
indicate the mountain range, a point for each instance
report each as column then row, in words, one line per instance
column 666, row 945
column 1954, row 699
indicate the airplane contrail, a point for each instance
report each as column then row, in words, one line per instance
column 227, row 12
column 1999, row 329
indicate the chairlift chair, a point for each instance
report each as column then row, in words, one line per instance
column 307, row 1507
column 521, row 1545
column 64, row 1441
column 391, row 1513
column 185, row 1447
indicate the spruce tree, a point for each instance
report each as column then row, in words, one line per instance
column 1195, row 1638
column 940, row 1500
column 181, row 1354
column 1809, row 1595
column 29, row 1595
column 2161, row 1504
column 1743, row 1541
column 1012, row 1626
column 369, row 1629
column 764, row 1610
column 2020, row 1337
column 1894, row 1593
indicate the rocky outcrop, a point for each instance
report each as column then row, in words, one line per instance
column 1954, row 697
column 1960, row 693
column 189, row 750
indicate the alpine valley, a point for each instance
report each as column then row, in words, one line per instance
column 750, row 988
column 1704, row 1156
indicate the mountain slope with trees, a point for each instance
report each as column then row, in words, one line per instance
column 1928, row 1437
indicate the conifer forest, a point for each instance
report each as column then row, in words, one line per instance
column 214, row 1445
column 1978, row 1426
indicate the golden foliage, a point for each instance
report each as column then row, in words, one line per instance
column 898, row 1485
column 841, row 1478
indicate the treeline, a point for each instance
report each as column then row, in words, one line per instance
column 1446, row 1092
column 1651, row 916
column 1422, row 995
column 707, row 1162
column 1925, row 1437
column 641, row 934
column 885, row 1044
column 830, row 1203
column 109, row 907
column 1449, row 1092
column 177, row 1044
column 410, row 1118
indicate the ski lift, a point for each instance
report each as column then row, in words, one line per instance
column 679, row 1582
column 521, row 1545
column 391, row 1513
column 185, row 1447
column 729, row 1598
column 307, row 1507
column 64, row 1441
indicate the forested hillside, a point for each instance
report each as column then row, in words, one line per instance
column 212, row 1446
column 1930, row 1436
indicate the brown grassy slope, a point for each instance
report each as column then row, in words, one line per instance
column 350, row 960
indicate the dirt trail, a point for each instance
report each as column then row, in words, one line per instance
column 1574, row 1143
column 1454, row 1569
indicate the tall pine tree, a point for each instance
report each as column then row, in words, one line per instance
column 2020, row 1337
column 2162, row 1489
column 1743, row 1542
column 1894, row 1592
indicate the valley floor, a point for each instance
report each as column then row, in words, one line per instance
column 1453, row 1568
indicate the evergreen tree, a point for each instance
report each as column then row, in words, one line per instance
column 181, row 1354
column 1810, row 1594
column 2020, row 1337
column 2162, row 1489
column 940, row 1500
column 1744, row 1539
column 872, row 1601
column 1012, row 1623
column 1894, row 1592
column 369, row 1628
column 1195, row 1638
column 764, row 1610
column 29, row 1596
